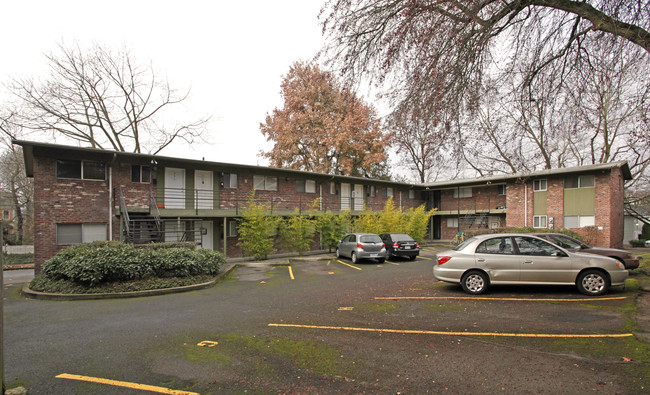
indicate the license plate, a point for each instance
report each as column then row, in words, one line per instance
column 407, row 247
column 374, row 255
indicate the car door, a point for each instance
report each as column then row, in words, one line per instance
column 497, row 257
column 543, row 262
column 348, row 242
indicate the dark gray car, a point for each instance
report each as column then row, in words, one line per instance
column 361, row 246
column 573, row 245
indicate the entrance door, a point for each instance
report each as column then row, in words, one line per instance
column 346, row 196
column 208, row 237
column 174, row 188
column 358, row 197
column 204, row 189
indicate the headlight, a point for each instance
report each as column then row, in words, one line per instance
column 619, row 264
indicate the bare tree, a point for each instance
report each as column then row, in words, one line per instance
column 103, row 98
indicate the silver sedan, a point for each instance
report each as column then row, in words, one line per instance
column 493, row 259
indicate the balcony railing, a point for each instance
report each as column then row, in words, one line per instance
column 276, row 202
column 472, row 205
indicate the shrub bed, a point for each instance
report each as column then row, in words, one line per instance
column 97, row 263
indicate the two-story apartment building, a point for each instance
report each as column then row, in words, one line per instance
column 84, row 194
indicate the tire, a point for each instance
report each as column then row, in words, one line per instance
column 381, row 260
column 475, row 282
column 354, row 258
column 592, row 282
column 338, row 253
column 412, row 257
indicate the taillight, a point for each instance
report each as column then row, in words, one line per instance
column 443, row 259
column 395, row 245
column 359, row 245
column 417, row 245
column 383, row 246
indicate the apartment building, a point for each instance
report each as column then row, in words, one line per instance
column 85, row 194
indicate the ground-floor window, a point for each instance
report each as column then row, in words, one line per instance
column 539, row 221
column 579, row 221
column 80, row 233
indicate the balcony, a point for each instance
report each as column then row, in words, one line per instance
column 465, row 206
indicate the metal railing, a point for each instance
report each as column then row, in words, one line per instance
column 147, row 230
column 474, row 205
column 274, row 201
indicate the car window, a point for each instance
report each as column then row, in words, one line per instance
column 348, row 238
column 530, row 246
column 499, row 245
column 565, row 242
column 370, row 239
column 401, row 237
column 464, row 244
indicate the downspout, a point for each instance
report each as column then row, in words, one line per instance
column 110, row 198
column 525, row 204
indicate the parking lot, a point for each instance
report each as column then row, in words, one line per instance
column 322, row 325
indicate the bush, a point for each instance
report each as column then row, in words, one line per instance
column 637, row 243
column 100, row 262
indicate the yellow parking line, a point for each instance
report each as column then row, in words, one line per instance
column 419, row 332
column 143, row 387
column 347, row 264
column 507, row 299
column 393, row 263
column 291, row 273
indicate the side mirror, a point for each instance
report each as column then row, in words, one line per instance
column 560, row 254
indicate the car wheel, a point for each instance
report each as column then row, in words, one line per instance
column 592, row 282
column 381, row 260
column 338, row 253
column 412, row 257
column 354, row 258
column 474, row 282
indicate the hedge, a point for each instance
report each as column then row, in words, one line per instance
column 99, row 262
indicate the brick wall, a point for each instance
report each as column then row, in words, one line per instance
column 63, row 201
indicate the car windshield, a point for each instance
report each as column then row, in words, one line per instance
column 401, row 237
column 370, row 239
column 464, row 244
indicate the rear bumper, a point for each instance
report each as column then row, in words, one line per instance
column 372, row 255
column 404, row 252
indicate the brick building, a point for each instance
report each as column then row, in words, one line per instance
column 84, row 194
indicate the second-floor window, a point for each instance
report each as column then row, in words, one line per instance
column 230, row 180
column 265, row 183
column 501, row 189
column 80, row 169
column 585, row 181
column 140, row 174
column 308, row 186
column 388, row 192
column 411, row 194
column 539, row 185
column 463, row 192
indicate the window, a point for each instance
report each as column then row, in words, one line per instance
column 86, row 170
column 232, row 229
column 140, row 174
column 579, row 221
column 530, row 246
column 80, row 233
column 539, row 221
column 462, row 192
column 565, row 241
column 265, row 183
column 539, row 185
column 501, row 189
column 5, row 214
column 452, row 222
column 389, row 192
column 585, row 181
column 372, row 191
column 411, row 194
column 308, row 186
column 230, row 180
column 499, row 245
column 332, row 188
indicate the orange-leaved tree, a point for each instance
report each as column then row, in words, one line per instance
column 324, row 127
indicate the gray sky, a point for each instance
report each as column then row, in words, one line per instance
column 231, row 53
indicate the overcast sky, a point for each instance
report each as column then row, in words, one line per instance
column 231, row 53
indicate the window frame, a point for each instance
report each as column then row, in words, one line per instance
column 267, row 182
column 462, row 192
column 539, row 218
column 232, row 229
column 580, row 182
column 84, row 235
column 82, row 169
column 140, row 174
column 229, row 179
column 537, row 185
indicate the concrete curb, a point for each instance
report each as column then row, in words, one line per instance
column 228, row 267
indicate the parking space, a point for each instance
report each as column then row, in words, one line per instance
column 320, row 324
